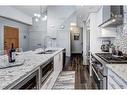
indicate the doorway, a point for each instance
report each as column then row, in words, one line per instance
column 11, row 36
column 76, row 40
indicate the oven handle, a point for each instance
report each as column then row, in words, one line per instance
column 96, row 74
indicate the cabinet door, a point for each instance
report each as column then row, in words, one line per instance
column 58, row 62
column 112, row 84
column 118, row 82
column 105, row 13
column 48, row 83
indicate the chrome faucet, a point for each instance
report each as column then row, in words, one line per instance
column 45, row 41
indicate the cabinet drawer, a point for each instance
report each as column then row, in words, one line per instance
column 122, row 84
column 112, row 84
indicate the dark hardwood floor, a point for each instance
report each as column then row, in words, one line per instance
column 82, row 79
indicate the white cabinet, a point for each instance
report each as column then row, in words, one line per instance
column 115, row 82
column 105, row 13
column 58, row 65
column 58, row 62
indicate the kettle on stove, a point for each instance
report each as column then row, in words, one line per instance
column 105, row 45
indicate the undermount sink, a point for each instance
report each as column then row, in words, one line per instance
column 47, row 52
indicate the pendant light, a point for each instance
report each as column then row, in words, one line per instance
column 42, row 15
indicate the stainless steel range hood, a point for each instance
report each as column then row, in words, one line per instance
column 112, row 22
column 112, row 16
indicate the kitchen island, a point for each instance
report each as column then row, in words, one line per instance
column 10, row 77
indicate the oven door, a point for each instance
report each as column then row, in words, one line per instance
column 98, row 78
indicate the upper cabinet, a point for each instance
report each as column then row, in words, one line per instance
column 111, row 16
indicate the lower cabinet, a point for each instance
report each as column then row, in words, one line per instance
column 58, row 62
column 115, row 82
column 58, row 65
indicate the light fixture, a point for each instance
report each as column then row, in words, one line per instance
column 36, row 19
column 44, row 18
column 73, row 24
column 35, row 14
column 113, row 20
column 71, row 28
column 41, row 15
column 62, row 27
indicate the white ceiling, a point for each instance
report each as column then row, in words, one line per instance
column 30, row 10
column 82, row 11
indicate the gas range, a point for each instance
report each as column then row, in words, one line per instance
column 109, row 58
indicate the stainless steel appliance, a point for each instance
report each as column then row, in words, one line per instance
column 45, row 70
column 112, row 59
column 30, row 82
column 105, row 45
column 99, row 70
column 97, row 73
column 114, row 15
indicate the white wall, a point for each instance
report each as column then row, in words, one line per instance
column 63, row 36
column 23, row 31
column 12, row 13
column 76, row 45
column 57, row 16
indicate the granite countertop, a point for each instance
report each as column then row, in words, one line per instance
column 119, row 69
column 32, row 61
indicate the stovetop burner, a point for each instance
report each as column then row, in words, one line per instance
column 108, row 57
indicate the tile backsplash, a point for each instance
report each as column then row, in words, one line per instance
column 121, row 39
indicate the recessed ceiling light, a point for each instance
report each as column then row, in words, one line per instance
column 73, row 24
column 35, row 14
column 71, row 28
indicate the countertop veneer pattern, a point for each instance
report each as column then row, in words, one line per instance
column 11, row 75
